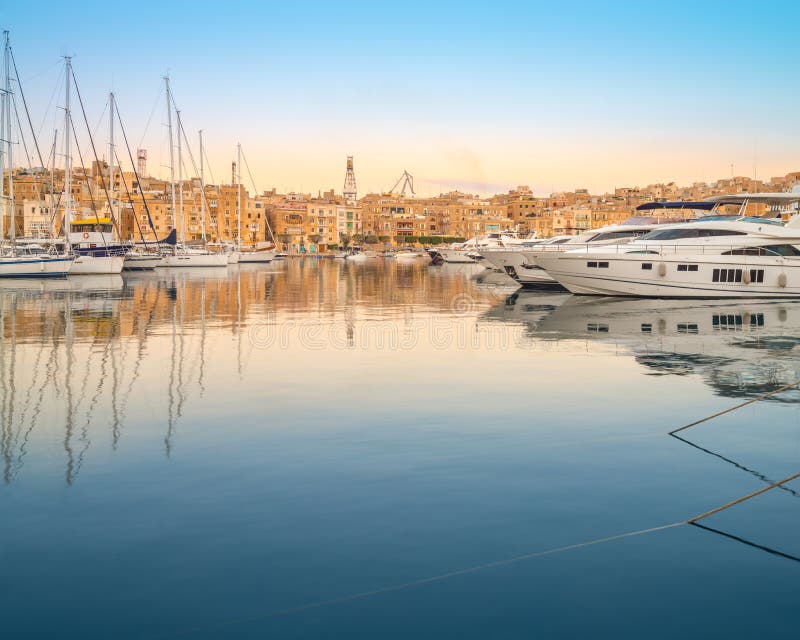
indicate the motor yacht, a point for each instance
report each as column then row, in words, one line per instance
column 714, row 257
column 529, row 272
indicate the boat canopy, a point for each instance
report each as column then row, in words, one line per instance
column 774, row 199
column 702, row 206
column 85, row 221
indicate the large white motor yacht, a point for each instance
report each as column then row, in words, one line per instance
column 529, row 272
column 716, row 257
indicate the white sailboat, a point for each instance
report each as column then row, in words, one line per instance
column 30, row 261
column 257, row 254
column 183, row 256
column 134, row 260
column 83, row 264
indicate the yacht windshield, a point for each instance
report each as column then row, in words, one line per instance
column 681, row 234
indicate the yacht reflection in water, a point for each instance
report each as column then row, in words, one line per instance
column 741, row 349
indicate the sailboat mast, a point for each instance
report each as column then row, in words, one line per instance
column 111, row 155
column 8, row 135
column 182, row 227
column 68, row 159
column 202, row 189
column 4, row 209
column 171, row 148
column 239, row 194
column 53, row 185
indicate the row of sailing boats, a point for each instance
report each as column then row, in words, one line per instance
column 88, row 246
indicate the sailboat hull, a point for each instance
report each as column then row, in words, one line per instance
column 257, row 256
column 35, row 267
column 141, row 263
column 87, row 265
column 195, row 260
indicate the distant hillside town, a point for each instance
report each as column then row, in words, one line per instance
column 303, row 222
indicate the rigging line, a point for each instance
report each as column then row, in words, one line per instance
column 56, row 89
column 138, row 178
column 57, row 63
column 25, row 104
column 22, row 136
column 429, row 580
column 152, row 113
column 255, row 194
column 88, row 184
column 97, row 160
column 102, row 116
column 130, row 200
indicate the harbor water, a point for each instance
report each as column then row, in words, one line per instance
column 320, row 449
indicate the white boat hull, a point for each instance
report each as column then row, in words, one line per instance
column 624, row 275
column 257, row 256
column 456, row 256
column 407, row 256
column 141, row 263
column 195, row 260
column 89, row 265
column 233, row 257
column 35, row 267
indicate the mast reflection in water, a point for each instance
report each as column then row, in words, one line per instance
column 213, row 453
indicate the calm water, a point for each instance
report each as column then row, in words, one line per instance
column 242, row 453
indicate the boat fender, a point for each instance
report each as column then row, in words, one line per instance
column 782, row 280
column 746, row 276
column 662, row 269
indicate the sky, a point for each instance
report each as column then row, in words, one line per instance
column 478, row 97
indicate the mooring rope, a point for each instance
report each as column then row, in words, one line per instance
column 423, row 581
column 735, row 407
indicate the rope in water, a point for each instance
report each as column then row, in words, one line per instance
column 735, row 407
column 520, row 558
column 428, row 580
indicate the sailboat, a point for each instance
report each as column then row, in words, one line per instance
column 30, row 261
column 91, row 246
column 135, row 260
column 258, row 253
column 183, row 256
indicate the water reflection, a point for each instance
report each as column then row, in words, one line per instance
column 83, row 355
column 739, row 348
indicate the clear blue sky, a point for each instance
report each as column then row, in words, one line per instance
column 556, row 95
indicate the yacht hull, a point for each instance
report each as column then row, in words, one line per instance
column 35, row 267
column 88, row 265
column 455, row 256
column 671, row 277
column 234, row 257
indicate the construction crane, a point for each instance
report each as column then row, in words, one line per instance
column 407, row 181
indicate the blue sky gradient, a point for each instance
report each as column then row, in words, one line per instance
column 483, row 97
